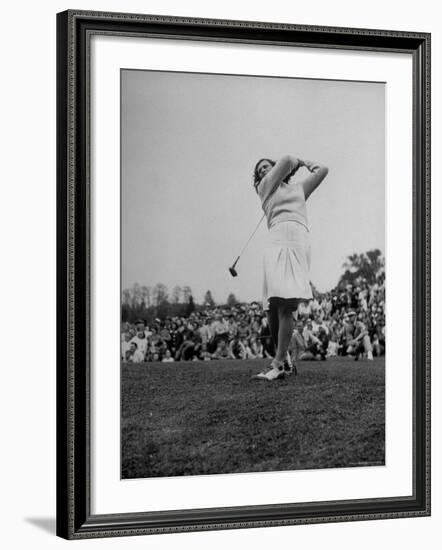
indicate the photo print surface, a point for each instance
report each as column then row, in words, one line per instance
column 252, row 274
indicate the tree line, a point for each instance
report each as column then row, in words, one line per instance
column 148, row 303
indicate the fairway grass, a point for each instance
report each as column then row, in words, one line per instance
column 196, row 418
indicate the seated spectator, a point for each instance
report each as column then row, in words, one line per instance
column 141, row 341
column 125, row 346
column 220, row 329
column 248, row 354
column 314, row 346
column 167, row 357
column 324, row 338
column 332, row 349
column 204, row 354
column 236, row 348
column 156, row 343
column 266, row 339
column 297, row 346
column 243, row 330
column 134, row 355
column 187, row 350
column 205, row 332
column 359, row 342
column 256, row 347
column 176, row 338
column 255, row 324
column 165, row 336
column 222, row 351
column 376, row 345
column 232, row 326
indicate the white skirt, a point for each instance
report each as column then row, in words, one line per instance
column 287, row 263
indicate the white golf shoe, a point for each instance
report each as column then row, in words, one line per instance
column 273, row 372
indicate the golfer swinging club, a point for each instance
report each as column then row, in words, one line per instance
column 287, row 255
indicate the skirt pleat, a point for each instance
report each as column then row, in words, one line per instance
column 287, row 263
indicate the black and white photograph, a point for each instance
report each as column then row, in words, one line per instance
column 253, row 275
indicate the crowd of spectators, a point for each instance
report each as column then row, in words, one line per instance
column 346, row 321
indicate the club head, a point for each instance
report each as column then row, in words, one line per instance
column 233, row 271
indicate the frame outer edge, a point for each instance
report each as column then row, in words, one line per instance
column 62, row 337
column 427, row 260
column 72, row 526
column 188, row 20
column 73, row 500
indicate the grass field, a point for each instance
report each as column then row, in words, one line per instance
column 211, row 418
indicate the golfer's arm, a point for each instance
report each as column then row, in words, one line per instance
column 273, row 179
column 315, row 178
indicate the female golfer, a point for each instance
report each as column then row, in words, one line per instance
column 287, row 256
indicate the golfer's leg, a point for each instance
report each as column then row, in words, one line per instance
column 285, row 332
column 273, row 319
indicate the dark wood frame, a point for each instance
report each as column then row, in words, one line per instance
column 74, row 519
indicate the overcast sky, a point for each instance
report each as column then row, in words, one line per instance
column 189, row 145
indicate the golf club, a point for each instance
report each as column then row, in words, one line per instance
column 232, row 269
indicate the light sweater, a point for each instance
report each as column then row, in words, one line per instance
column 282, row 201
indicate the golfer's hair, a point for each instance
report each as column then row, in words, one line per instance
column 257, row 179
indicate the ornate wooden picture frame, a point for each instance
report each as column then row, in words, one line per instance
column 75, row 517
